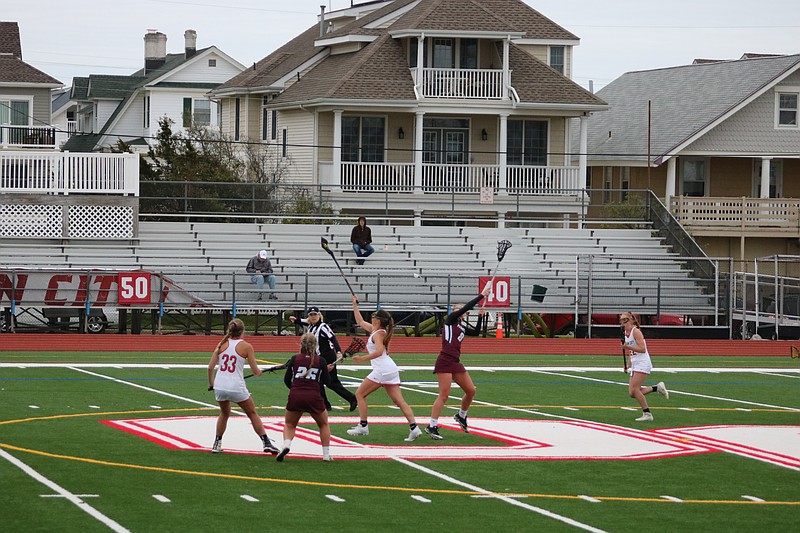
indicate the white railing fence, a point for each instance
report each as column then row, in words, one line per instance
column 443, row 178
column 484, row 84
column 67, row 173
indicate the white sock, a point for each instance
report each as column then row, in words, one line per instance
column 462, row 413
column 287, row 443
column 326, row 450
column 434, row 422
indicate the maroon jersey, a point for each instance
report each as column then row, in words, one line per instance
column 304, row 388
column 453, row 332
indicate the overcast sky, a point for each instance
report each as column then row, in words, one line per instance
column 67, row 38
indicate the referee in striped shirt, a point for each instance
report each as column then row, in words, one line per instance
column 328, row 348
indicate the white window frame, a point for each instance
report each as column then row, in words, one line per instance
column 795, row 91
column 608, row 184
column 7, row 99
column 563, row 49
column 704, row 178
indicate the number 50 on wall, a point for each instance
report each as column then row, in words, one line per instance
column 133, row 288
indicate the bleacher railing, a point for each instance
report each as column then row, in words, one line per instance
column 579, row 294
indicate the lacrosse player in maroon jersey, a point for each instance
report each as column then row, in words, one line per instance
column 448, row 367
column 304, row 373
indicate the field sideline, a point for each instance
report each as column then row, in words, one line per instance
column 99, row 440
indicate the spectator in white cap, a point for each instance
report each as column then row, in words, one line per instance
column 261, row 270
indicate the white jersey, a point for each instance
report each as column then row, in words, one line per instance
column 383, row 363
column 640, row 361
column 230, row 369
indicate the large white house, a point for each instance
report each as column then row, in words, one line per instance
column 416, row 107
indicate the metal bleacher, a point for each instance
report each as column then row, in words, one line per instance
column 414, row 267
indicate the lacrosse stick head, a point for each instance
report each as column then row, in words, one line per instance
column 502, row 248
column 356, row 345
column 325, row 245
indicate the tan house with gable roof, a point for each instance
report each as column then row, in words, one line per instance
column 435, row 105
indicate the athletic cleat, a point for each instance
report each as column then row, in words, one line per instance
column 646, row 417
column 327, row 458
column 270, row 448
column 662, row 390
column 358, row 430
column 217, row 447
column 433, row 431
column 353, row 405
column 413, row 434
column 461, row 422
column 282, row 455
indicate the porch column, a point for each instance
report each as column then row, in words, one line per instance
column 502, row 156
column 336, row 173
column 506, row 68
column 670, row 190
column 418, row 123
column 765, row 163
column 418, row 218
column 420, row 81
column 582, row 148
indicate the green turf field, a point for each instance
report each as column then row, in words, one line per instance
column 64, row 470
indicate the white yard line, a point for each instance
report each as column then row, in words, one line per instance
column 671, row 391
column 79, row 502
column 501, row 497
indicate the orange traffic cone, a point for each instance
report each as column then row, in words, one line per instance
column 499, row 331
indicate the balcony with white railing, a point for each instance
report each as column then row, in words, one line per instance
column 472, row 84
column 67, row 173
column 742, row 216
column 450, row 178
column 15, row 137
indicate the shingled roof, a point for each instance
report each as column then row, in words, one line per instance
column 12, row 68
column 684, row 102
column 379, row 71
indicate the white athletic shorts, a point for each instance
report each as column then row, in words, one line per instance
column 385, row 378
column 641, row 363
column 231, row 395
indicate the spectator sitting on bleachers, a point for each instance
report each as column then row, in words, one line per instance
column 361, row 237
column 261, row 269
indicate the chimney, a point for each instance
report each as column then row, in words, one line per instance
column 155, row 50
column 322, row 21
column 190, row 38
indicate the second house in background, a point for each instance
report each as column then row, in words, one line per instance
column 108, row 108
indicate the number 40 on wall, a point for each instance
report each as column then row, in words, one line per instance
column 133, row 288
column 501, row 290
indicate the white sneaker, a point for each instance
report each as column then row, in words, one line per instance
column 646, row 417
column 217, row 447
column 327, row 458
column 413, row 434
column 358, row 430
column 662, row 390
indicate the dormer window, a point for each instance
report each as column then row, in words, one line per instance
column 557, row 59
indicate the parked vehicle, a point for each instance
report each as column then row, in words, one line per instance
column 55, row 319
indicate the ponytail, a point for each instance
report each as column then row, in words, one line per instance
column 235, row 330
column 308, row 346
column 387, row 323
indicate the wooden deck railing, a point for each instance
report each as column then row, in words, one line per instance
column 728, row 216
